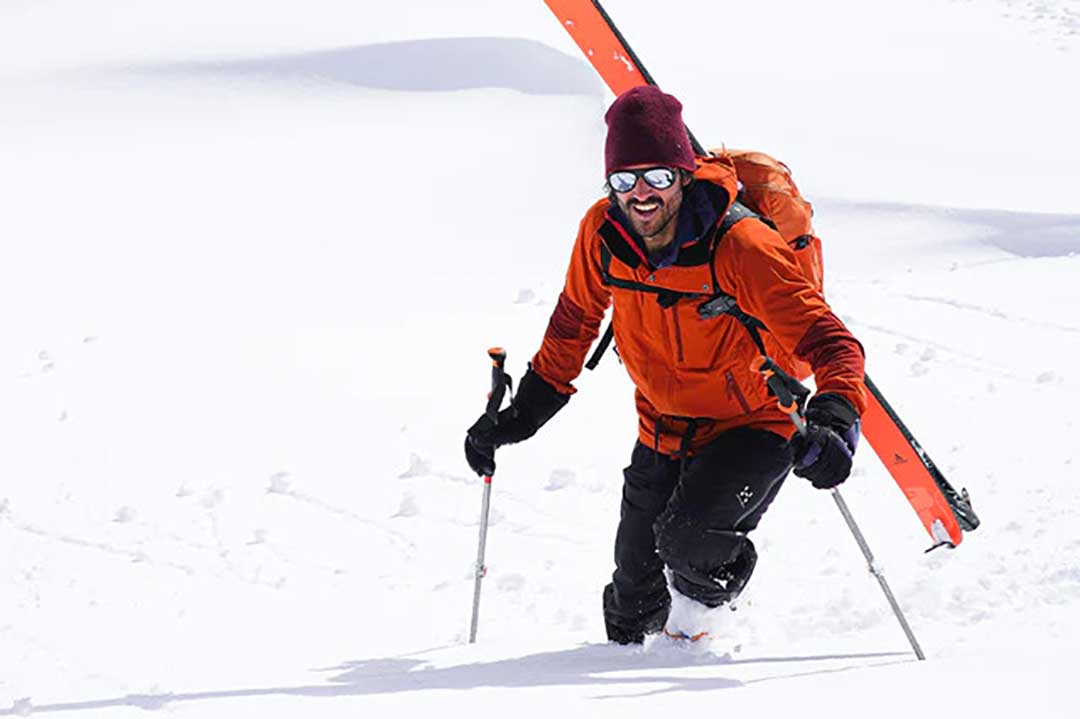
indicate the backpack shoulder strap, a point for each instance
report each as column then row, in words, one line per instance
column 737, row 212
column 601, row 347
column 721, row 303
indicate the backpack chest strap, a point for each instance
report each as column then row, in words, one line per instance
column 665, row 296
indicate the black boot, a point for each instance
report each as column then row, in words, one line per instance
column 623, row 630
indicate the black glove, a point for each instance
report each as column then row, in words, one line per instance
column 534, row 404
column 823, row 455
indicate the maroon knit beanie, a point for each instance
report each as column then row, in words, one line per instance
column 645, row 126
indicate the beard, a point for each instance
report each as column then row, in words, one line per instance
column 659, row 219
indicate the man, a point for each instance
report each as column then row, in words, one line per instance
column 713, row 447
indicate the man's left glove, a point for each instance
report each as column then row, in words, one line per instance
column 534, row 404
column 824, row 454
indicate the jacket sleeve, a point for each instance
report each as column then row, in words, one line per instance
column 575, row 322
column 768, row 284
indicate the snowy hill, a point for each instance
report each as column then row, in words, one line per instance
column 253, row 256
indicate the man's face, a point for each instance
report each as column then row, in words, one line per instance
column 649, row 210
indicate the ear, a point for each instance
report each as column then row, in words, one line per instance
column 687, row 177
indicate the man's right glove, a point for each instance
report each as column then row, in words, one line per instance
column 824, row 454
column 534, row 404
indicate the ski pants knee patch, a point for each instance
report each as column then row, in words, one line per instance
column 709, row 565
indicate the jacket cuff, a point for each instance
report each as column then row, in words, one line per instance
column 832, row 410
column 536, row 400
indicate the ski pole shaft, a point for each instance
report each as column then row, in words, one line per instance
column 499, row 383
column 876, row 571
column 781, row 383
column 481, row 569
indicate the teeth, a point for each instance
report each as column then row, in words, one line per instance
column 645, row 207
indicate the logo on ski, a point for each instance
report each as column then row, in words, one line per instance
column 897, row 459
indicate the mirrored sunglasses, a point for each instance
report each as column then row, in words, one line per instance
column 658, row 178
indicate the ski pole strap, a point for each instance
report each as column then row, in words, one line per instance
column 500, row 382
column 790, row 392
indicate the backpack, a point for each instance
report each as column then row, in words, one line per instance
column 767, row 193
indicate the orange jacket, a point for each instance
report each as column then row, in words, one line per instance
column 693, row 376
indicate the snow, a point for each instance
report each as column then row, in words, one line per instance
column 254, row 254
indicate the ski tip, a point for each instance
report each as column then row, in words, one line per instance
column 683, row 636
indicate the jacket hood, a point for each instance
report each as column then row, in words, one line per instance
column 719, row 170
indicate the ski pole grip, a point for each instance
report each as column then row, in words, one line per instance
column 498, row 383
column 774, row 378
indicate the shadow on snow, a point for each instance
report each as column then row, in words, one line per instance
column 582, row 666
column 435, row 65
column 1024, row 234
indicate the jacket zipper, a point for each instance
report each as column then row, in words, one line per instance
column 678, row 332
column 734, row 391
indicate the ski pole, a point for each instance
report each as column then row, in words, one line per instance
column 785, row 387
column 499, row 383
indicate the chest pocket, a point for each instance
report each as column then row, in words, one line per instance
column 695, row 342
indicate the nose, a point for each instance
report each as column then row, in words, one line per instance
column 641, row 190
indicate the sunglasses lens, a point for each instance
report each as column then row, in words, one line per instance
column 660, row 178
column 622, row 181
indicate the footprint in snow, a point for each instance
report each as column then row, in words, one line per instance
column 525, row 297
column 510, row 582
column 919, row 369
column 280, row 483
column 212, row 499
column 124, row 515
column 408, row 508
column 418, row 467
column 560, row 479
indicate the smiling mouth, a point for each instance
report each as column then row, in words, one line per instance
column 645, row 210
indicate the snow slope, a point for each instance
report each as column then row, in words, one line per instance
column 253, row 255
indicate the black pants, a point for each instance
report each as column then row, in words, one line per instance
column 694, row 519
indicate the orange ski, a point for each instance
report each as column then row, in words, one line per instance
column 945, row 513
column 597, row 37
